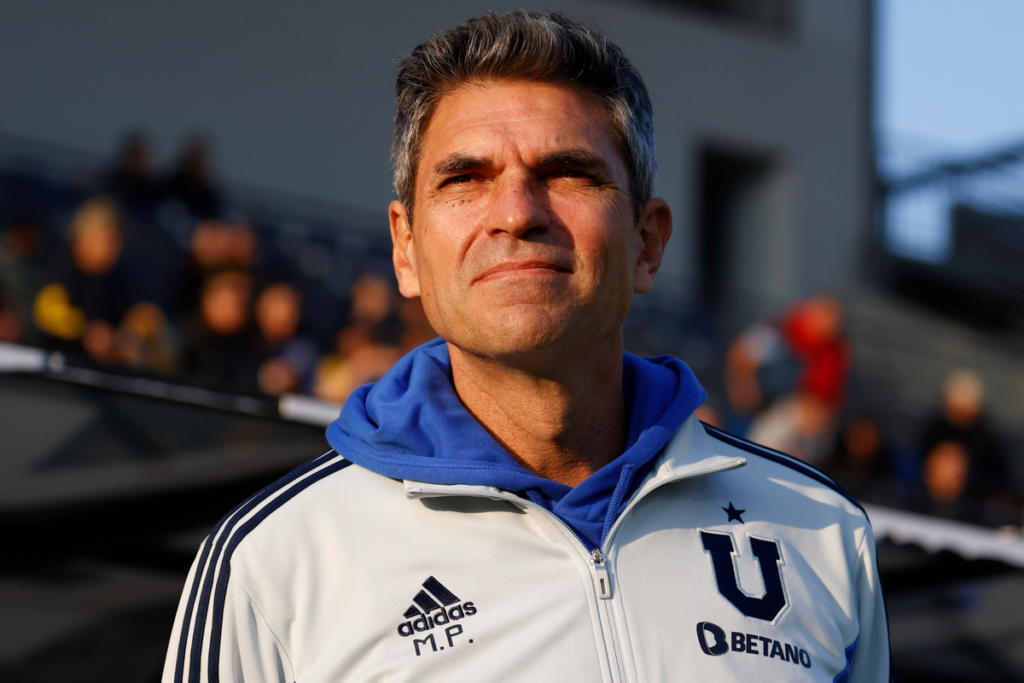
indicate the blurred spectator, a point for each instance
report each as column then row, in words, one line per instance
column 369, row 346
column 960, row 419
column 813, row 331
column 337, row 376
column 10, row 322
column 191, row 183
column 21, row 276
column 373, row 309
column 862, row 463
column 945, row 474
column 708, row 415
column 965, row 472
column 88, row 295
column 758, row 369
column 792, row 378
column 217, row 346
column 416, row 329
column 215, row 246
column 131, row 180
column 143, row 339
column 287, row 361
column 801, row 425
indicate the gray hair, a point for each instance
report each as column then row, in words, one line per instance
column 528, row 46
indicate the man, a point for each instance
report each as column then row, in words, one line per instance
column 519, row 500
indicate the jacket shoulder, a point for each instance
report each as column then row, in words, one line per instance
column 289, row 491
column 799, row 467
column 206, row 593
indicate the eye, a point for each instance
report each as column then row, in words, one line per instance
column 566, row 172
column 457, row 179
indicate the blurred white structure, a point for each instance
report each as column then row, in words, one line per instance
column 769, row 99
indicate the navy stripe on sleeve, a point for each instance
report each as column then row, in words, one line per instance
column 187, row 619
column 783, row 459
column 236, row 538
column 206, row 564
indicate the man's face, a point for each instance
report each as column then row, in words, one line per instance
column 523, row 236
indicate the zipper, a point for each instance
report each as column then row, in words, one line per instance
column 604, row 586
column 604, row 593
column 602, row 579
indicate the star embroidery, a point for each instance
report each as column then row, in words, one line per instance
column 734, row 514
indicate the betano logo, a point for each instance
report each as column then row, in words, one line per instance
column 435, row 606
column 717, row 644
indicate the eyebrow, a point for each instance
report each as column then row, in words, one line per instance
column 457, row 162
column 580, row 158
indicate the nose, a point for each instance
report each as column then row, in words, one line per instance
column 518, row 208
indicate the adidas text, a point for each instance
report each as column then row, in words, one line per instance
column 432, row 607
column 425, row 622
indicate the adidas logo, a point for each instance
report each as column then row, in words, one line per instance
column 435, row 605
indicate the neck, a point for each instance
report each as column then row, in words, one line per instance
column 560, row 418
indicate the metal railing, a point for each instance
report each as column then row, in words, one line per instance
column 920, row 193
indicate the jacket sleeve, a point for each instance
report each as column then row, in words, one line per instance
column 871, row 659
column 235, row 643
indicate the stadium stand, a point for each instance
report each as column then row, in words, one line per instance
column 300, row 297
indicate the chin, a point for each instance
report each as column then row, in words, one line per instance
column 530, row 329
column 525, row 331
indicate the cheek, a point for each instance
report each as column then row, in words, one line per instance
column 445, row 247
column 437, row 273
column 607, row 250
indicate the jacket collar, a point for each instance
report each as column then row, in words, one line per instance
column 690, row 453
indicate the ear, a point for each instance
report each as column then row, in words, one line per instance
column 403, row 250
column 652, row 233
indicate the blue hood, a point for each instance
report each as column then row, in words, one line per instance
column 412, row 425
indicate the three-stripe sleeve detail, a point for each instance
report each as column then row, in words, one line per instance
column 213, row 566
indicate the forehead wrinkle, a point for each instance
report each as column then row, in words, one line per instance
column 582, row 125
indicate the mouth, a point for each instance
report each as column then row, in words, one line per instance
column 522, row 269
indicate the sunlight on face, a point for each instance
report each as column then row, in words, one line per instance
column 523, row 235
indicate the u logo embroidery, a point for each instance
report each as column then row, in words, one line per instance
column 721, row 550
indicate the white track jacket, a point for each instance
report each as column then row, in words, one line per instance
column 730, row 563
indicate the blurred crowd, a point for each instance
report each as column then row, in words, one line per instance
column 786, row 387
column 209, row 302
column 108, row 286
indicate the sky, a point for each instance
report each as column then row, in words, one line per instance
column 950, row 83
column 951, row 72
